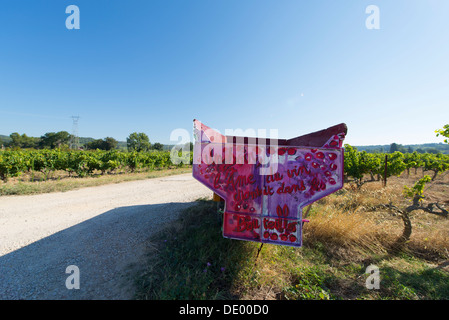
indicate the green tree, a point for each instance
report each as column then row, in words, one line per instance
column 138, row 142
column 107, row 144
column 394, row 147
column 443, row 132
column 22, row 141
column 52, row 140
column 95, row 144
column 158, row 146
column 16, row 140
column 397, row 147
column 110, row 143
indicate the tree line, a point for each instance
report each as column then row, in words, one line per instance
column 136, row 141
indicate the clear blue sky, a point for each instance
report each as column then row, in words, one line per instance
column 296, row 66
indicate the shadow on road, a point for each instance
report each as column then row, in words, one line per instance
column 106, row 249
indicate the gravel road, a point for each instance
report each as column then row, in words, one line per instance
column 101, row 230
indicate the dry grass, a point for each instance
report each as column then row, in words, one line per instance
column 347, row 235
column 350, row 223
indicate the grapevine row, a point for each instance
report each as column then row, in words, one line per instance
column 82, row 163
column 360, row 164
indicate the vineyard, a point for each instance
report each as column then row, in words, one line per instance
column 358, row 164
column 80, row 163
column 381, row 166
column 390, row 227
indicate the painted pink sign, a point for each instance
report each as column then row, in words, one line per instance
column 265, row 186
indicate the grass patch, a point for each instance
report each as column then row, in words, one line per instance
column 62, row 184
column 190, row 260
column 409, row 278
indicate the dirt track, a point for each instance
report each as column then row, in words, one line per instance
column 101, row 230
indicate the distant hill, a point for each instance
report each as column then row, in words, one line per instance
column 5, row 139
column 422, row 148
